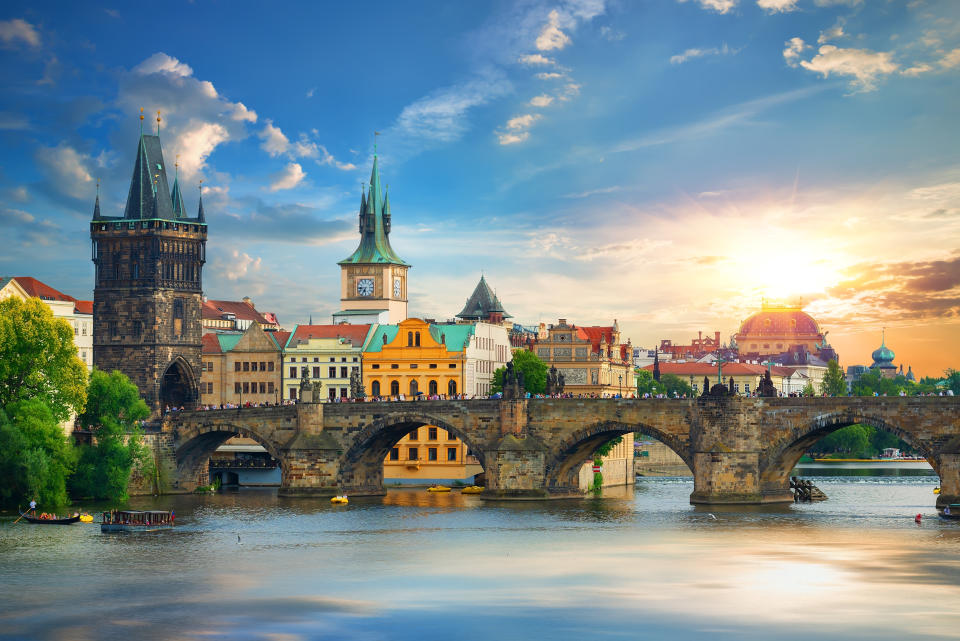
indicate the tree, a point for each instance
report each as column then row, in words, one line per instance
column 598, row 455
column 38, row 358
column 534, row 373
column 35, row 455
column 952, row 380
column 675, row 386
column 834, row 382
column 114, row 411
column 808, row 389
column 645, row 383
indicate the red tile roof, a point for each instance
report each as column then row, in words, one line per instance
column 39, row 289
column 280, row 337
column 356, row 334
column 217, row 308
column 83, row 307
column 596, row 334
column 210, row 344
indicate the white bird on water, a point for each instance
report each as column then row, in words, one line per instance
column 710, row 514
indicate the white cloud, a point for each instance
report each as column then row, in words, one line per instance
column 833, row 33
column 17, row 30
column 535, row 59
column 311, row 91
column 543, row 100
column 917, row 69
column 690, row 54
column 196, row 118
column 720, row 6
column 239, row 265
column 441, row 115
column 67, row 169
column 512, row 139
column 291, row 176
column 12, row 121
column 522, row 122
column 162, row 63
column 863, row 65
column 951, row 60
column 795, row 47
column 328, row 159
column 550, row 75
column 274, row 142
column 594, row 192
column 551, row 37
column 777, row 6
column 623, row 251
column 570, row 90
column 608, row 33
column 833, row 3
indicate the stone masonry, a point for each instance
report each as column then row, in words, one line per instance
column 741, row 450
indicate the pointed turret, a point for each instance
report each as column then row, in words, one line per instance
column 386, row 211
column 176, row 197
column 96, row 204
column 363, row 205
column 656, row 365
column 142, row 201
column 200, row 217
column 483, row 304
column 374, row 227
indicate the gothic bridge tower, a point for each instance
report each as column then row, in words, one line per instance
column 147, row 296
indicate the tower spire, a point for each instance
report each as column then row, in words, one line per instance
column 96, row 204
column 158, row 124
column 200, row 216
column 176, row 197
column 141, row 121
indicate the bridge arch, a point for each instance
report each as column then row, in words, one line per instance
column 777, row 460
column 197, row 443
column 562, row 468
column 361, row 466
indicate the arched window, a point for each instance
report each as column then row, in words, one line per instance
column 452, row 388
column 414, row 388
column 432, row 387
column 178, row 318
column 409, row 339
column 394, row 388
column 375, row 388
column 417, row 339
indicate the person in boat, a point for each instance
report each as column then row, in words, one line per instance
column 33, row 507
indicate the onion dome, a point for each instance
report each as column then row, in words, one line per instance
column 883, row 356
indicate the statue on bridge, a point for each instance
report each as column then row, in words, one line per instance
column 767, row 389
column 552, row 381
column 512, row 383
column 356, row 385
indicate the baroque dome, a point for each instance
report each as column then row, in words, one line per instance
column 780, row 321
column 883, row 355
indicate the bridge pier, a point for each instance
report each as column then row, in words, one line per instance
column 516, row 469
column 949, row 472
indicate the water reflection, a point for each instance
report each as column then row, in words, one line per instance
column 416, row 565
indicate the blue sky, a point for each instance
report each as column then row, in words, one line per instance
column 664, row 163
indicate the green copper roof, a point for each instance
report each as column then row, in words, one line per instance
column 177, row 198
column 228, row 341
column 454, row 337
column 482, row 303
column 374, row 227
column 375, row 344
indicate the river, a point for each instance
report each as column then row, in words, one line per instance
column 638, row 563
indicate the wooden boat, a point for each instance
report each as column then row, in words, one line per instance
column 68, row 520
column 137, row 521
column 472, row 489
column 438, row 488
column 951, row 511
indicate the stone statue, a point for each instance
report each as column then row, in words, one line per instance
column 512, row 382
column 561, row 381
column 706, row 386
column 552, row 381
column 767, row 388
column 356, row 385
column 731, row 386
column 317, row 386
column 304, row 381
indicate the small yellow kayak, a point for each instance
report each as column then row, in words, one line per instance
column 340, row 500
column 438, row 488
column 86, row 518
column 472, row 489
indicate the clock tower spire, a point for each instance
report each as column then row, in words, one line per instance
column 373, row 279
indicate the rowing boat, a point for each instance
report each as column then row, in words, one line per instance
column 68, row 520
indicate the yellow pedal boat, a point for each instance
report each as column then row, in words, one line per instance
column 936, row 490
column 472, row 489
column 86, row 518
column 340, row 500
column 438, row 488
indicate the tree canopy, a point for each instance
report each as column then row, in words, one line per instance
column 534, row 373
column 834, row 382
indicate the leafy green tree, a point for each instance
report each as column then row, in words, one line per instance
column 114, row 411
column 952, row 380
column 808, row 390
column 673, row 385
column 852, row 441
column 645, row 382
column 534, row 373
column 35, row 455
column 834, row 382
column 598, row 455
column 38, row 359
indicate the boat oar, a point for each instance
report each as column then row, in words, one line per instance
column 21, row 515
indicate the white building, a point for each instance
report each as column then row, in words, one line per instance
column 487, row 351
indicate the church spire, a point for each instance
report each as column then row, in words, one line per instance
column 149, row 194
column 374, row 226
column 176, row 197
column 200, row 216
column 96, row 205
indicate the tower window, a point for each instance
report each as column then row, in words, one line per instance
column 178, row 318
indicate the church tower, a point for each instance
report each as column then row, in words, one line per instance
column 373, row 280
column 147, row 293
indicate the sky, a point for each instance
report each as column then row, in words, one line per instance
column 665, row 163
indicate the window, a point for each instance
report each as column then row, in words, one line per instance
column 355, row 359
column 394, row 453
column 333, row 360
column 433, row 366
column 246, row 387
column 452, row 388
column 76, row 330
column 236, row 388
column 409, row 339
column 270, row 366
column 413, row 366
column 450, row 436
column 452, row 366
column 293, row 393
column 263, row 388
column 375, row 388
column 432, row 433
column 246, row 366
column 83, row 330
column 343, row 392
column 394, row 366
column 331, row 372
column 316, row 360
column 412, row 454
column 431, row 454
column 432, row 388
column 304, row 372
column 209, row 388
column 375, row 366
column 451, row 454
column 270, row 389
column 237, row 366
column 316, row 372
column 293, row 372
column 178, row 317
column 414, row 388
column 394, row 388
column 343, row 373
column 417, row 339
column 343, row 360
column 331, row 393
column 746, row 388
column 263, row 366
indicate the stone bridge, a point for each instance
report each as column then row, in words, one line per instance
column 741, row 450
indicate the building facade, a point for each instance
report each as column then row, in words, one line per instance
column 488, row 349
column 592, row 359
column 429, row 455
column 777, row 329
column 148, row 283
column 698, row 347
column 746, row 376
column 238, row 369
column 235, row 316
column 373, row 279
column 328, row 354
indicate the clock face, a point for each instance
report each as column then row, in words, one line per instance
column 365, row 287
column 397, row 288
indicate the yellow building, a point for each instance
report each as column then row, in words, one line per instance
column 241, row 368
column 430, row 455
column 592, row 359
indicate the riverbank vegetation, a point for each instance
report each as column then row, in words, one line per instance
column 43, row 386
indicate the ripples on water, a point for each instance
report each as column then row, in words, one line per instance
column 635, row 564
